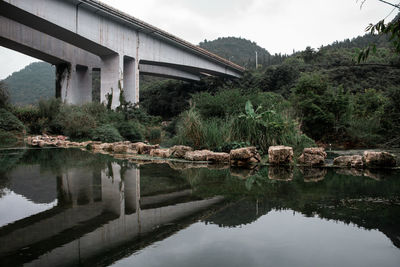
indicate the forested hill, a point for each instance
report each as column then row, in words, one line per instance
column 238, row 50
column 35, row 81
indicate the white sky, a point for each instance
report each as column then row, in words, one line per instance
column 277, row 25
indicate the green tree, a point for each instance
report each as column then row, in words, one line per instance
column 4, row 95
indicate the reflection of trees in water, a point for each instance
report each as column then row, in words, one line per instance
column 8, row 161
column 365, row 202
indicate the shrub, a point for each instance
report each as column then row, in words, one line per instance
column 155, row 135
column 49, row 108
column 222, row 104
column 4, row 95
column 98, row 111
column 106, row 133
column 7, row 138
column 29, row 116
column 130, row 130
column 8, row 122
column 267, row 128
column 75, row 122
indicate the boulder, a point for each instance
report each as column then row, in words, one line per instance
column 379, row 159
column 180, row 151
column 162, row 153
column 61, row 138
column 355, row 161
column 313, row 156
column 143, row 148
column 29, row 140
column 218, row 157
column 120, row 148
column 280, row 155
column 73, row 144
column 198, row 155
column 60, row 143
column 244, row 156
column 41, row 143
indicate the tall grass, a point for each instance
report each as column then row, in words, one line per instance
column 189, row 129
column 216, row 132
column 255, row 127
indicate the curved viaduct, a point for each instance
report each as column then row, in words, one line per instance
column 80, row 36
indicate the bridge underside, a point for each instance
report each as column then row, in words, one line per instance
column 98, row 40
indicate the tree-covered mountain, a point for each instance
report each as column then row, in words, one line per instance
column 35, row 81
column 239, row 51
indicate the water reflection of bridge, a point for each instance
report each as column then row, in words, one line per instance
column 96, row 213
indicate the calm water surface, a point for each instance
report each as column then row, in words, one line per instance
column 73, row 208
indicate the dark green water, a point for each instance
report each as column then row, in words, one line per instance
column 73, row 208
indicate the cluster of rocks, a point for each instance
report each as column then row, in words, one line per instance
column 316, row 156
column 123, row 147
column 283, row 155
column 53, row 141
column 370, row 159
column 239, row 157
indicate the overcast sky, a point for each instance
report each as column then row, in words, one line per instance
column 277, row 25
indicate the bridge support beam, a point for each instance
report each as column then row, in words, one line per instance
column 131, row 87
column 111, row 79
column 74, row 83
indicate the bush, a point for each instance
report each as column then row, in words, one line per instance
column 155, row 135
column 4, row 95
column 106, row 133
column 75, row 122
column 222, row 104
column 8, row 122
column 49, row 108
column 29, row 116
column 267, row 128
column 99, row 112
column 130, row 130
column 7, row 138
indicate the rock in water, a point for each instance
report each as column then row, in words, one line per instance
column 280, row 155
column 379, row 159
column 180, row 151
column 355, row 161
column 198, row 155
column 244, row 156
column 218, row 157
column 313, row 156
column 162, row 153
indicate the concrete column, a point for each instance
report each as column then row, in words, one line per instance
column 73, row 83
column 63, row 77
column 111, row 78
column 83, row 85
column 130, row 79
column 137, row 79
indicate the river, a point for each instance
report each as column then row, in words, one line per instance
column 68, row 207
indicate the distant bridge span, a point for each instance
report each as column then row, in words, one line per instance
column 79, row 36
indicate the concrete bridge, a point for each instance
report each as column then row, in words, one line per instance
column 97, row 212
column 82, row 36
